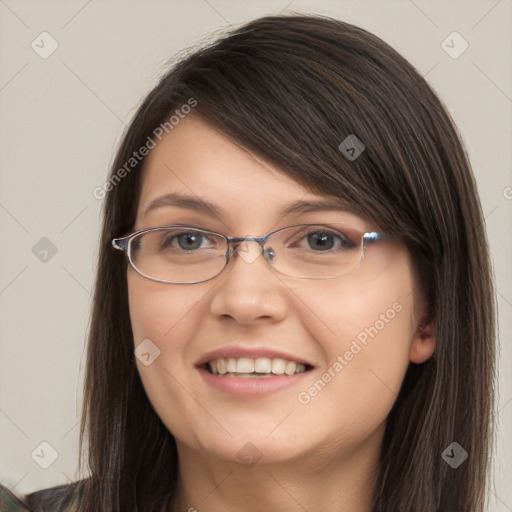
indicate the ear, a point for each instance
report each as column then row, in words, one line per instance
column 424, row 340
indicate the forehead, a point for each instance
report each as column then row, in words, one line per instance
column 197, row 167
column 196, row 154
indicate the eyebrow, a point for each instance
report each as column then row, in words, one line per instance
column 183, row 201
column 205, row 206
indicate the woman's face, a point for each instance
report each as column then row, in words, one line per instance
column 356, row 334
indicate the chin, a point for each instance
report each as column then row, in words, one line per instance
column 254, row 450
column 248, row 446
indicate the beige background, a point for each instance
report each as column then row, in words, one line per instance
column 62, row 116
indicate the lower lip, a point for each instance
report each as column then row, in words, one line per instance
column 251, row 386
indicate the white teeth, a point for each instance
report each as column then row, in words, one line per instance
column 261, row 366
column 278, row 366
column 290, row 368
column 245, row 365
column 221, row 366
column 231, row 365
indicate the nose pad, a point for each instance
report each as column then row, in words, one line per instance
column 249, row 252
column 270, row 255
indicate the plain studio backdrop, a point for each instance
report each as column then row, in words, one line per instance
column 71, row 76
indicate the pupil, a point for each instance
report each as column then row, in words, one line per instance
column 321, row 241
column 189, row 241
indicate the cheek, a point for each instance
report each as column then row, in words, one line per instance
column 158, row 310
column 380, row 310
column 366, row 336
column 166, row 315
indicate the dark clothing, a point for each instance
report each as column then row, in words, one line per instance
column 62, row 498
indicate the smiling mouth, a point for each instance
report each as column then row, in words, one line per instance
column 248, row 368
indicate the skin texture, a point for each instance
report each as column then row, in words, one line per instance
column 320, row 455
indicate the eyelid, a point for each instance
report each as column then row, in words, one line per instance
column 336, row 229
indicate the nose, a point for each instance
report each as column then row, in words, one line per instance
column 248, row 291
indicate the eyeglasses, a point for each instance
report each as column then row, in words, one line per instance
column 187, row 254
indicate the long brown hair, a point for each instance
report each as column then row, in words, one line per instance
column 291, row 89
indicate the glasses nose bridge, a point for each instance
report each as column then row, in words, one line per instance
column 260, row 240
column 234, row 242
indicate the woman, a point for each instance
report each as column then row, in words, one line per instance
column 293, row 306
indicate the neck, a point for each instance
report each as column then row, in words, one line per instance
column 327, row 479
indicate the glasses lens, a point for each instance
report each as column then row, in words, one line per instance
column 315, row 251
column 178, row 255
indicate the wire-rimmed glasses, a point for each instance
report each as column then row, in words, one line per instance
column 182, row 254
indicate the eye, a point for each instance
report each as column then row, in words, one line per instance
column 326, row 240
column 187, row 241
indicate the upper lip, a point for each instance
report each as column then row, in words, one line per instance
column 252, row 353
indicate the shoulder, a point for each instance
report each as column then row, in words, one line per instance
column 61, row 498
